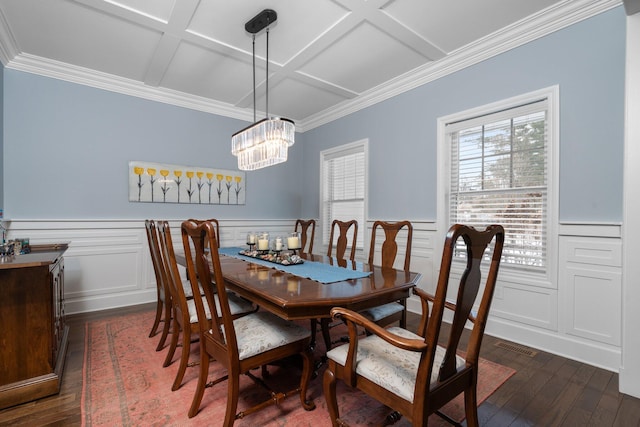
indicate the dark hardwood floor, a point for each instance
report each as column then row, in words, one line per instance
column 547, row 390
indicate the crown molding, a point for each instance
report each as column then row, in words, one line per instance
column 8, row 45
column 536, row 26
column 84, row 76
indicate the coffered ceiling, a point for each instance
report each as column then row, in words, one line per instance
column 327, row 58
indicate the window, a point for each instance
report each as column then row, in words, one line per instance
column 343, row 187
column 499, row 165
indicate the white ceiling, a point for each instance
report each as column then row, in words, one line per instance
column 328, row 58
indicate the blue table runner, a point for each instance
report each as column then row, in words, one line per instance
column 323, row 273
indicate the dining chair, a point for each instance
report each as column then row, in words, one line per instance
column 164, row 310
column 410, row 372
column 389, row 313
column 163, row 300
column 342, row 242
column 342, row 246
column 215, row 224
column 184, row 317
column 304, row 232
column 239, row 344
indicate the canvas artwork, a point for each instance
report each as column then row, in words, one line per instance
column 165, row 183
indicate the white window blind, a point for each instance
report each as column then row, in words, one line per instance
column 499, row 175
column 343, row 188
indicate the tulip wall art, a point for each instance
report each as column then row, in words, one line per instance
column 164, row 183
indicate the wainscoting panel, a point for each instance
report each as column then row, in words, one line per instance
column 591, row 291
column 529, row 305
column 108, row 265
column 113, row 270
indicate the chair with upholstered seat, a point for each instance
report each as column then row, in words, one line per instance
column 184, row 316
column 163, row 305
column 241, row 344
column 345, row 241
column 342, row 239
column 305, row 226
column 213, row 222
column 163, row 301
column 408, row 372
column 386, row 314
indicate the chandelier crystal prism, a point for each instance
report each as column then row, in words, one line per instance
column 265, row 142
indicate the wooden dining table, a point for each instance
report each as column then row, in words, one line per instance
column 293, row 297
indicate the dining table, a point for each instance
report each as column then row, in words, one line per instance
column 310, row 290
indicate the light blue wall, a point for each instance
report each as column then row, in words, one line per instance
column 67, row 146
column 586, row 60
column 67, row 149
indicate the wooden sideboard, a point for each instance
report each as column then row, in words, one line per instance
column 34, row 333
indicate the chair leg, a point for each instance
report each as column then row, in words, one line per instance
column 184, row 357
column 156, row 322
column 329, row 389
column 233, row 391
column 314, row 325
column 175, row 334
column 326, row 335
column 202, row 384
column 471, row 406
column 165, row 327
column 403, row 318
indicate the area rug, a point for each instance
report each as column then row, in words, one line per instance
column 124, row 384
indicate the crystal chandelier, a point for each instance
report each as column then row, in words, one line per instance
column 267, row 141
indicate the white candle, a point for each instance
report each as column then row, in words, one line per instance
column 263, row 244
column 251, row 239
column 278, row 244
column 293, row 242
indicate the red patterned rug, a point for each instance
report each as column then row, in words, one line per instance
column 124, row 384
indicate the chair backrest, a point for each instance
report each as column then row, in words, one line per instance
column 343, row 241
column 215, row 224
column 156, row 259
column 304, row 231
column 195, row 237
column 390, row 246
column 174, row 281
column 469, row 286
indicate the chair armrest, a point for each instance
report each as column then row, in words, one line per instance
column 356, row 318
column 425, row 296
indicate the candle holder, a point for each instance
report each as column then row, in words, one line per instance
column 251, row 240
column 293, row 242
column 263, row 243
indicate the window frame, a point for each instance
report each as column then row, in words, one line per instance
column 519, row 274
column 345, row 149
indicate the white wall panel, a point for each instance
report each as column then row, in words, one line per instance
column 591, row 287
column 630, row 370
column 594, row 299
column 110, row 271
column 529, row 305
column 108, row 265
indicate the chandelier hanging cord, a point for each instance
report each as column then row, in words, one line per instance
column 265, row 142
column 267, row 88
column 254, row 78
